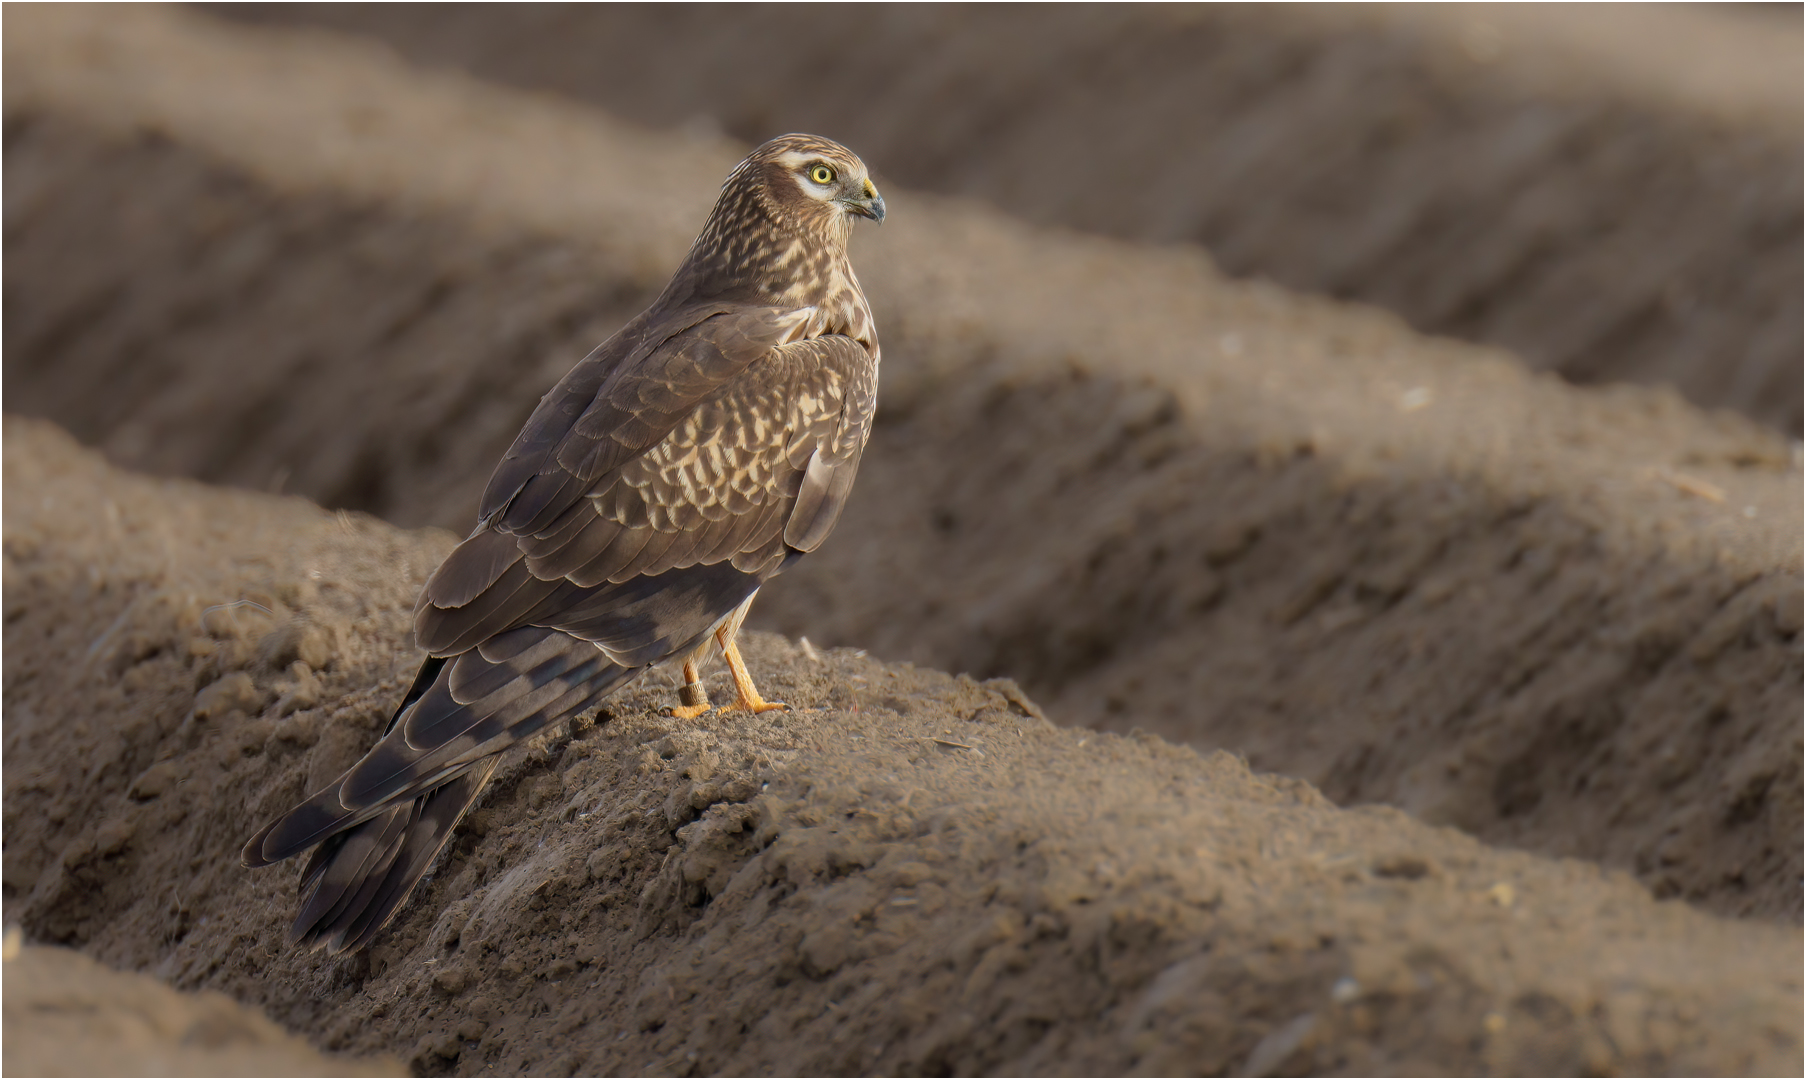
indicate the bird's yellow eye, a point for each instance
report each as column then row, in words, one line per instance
column 821, row 174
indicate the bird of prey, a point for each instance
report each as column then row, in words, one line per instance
column 690, row 458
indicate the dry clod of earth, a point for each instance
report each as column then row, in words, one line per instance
column 911, row 873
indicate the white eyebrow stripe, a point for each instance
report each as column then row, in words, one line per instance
column 795, row 159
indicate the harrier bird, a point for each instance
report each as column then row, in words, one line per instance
column 699, row 452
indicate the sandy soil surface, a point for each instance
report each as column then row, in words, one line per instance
column 1612, row 191
column 66, row 1015
column 910, row 873
column 1404, row 570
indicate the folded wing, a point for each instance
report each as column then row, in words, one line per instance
column 757, row 467
column 652, row 492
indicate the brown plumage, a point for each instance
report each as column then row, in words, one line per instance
column 688, row 459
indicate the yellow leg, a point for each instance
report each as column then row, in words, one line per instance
column 695, row 699
column 748, row 694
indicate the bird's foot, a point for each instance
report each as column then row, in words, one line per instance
column 695, row 699
column 746, row 695
column 755, row 706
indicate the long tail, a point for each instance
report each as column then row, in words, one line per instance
column 381, row 825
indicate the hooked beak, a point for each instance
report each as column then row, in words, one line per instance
column 870, row 206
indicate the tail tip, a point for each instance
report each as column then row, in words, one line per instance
column 252, row 856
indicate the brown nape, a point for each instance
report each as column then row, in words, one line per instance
column 766, row 236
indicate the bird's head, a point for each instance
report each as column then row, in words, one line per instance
column 805, row 182
column 784, row 217
column 818, row 180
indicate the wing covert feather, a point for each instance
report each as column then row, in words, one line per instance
column 761, row 462
column 636, row 392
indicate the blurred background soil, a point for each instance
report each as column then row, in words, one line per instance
column 1614, row 195
column 66, row 1015
column 1406, row 570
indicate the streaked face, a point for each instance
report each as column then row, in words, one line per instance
column 837, row 180
column 820, row 182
